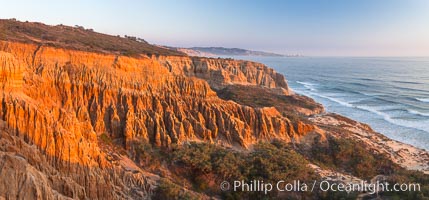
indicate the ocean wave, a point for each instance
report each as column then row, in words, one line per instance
column 366, row 79
column 390, row 100
column 407, row 82
column 308, row 85
column 359, row 84
column 411, row 89
column 415, row 112
column 344, row 103
column 426, row 100
column 420, row 125
column 346, row 90
column 373, row 94
column 368, row 94
column 361, row 100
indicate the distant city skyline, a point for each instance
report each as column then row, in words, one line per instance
column 306, row 27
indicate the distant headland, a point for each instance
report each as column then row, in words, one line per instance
column 222, row 51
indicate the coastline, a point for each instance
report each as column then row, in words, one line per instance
column 147, row 125
column 393, row 103
column 405, row 155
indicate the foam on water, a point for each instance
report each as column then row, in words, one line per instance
column 347, row 104
column 426, row 100
column 415, row 112
column 378, row 111
column 312, row 93
column 418, row 124
column 308, row 85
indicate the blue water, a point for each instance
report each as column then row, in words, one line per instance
column 390, row 94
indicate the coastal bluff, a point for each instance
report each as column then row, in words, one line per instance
column 85, row 115
column 62, row 101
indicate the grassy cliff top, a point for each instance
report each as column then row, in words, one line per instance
column 77, row 38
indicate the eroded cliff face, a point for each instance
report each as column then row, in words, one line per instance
column 27, row 173
column 11, row 73
column 50, row 149
column 61, row 101
column 220, row 73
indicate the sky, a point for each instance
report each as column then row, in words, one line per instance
column 307, row 27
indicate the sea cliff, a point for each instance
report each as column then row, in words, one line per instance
column 79, row 123
column 61, row 101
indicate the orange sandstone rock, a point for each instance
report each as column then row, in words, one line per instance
column 60, row 100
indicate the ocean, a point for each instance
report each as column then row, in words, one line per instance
column 389, row 94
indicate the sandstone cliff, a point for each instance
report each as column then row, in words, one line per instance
column 223, row 72
column 27, row 173
column 74, row 117
column 61, row 101
column 127, row 98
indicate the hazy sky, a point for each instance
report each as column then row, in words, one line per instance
column 309, row 27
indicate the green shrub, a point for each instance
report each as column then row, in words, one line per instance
column 148, row 157
column 267, row 162
column 170, row 191
column 351, row 157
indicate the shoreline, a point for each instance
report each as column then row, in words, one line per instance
column 406, row 155
column 403, row 119
column 359, row 109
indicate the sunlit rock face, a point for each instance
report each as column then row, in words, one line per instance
column 222, row 72
column 58, row 102
column 11, row 72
